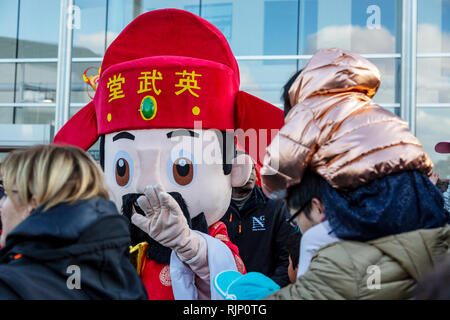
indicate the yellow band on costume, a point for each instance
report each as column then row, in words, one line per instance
column 137, row 253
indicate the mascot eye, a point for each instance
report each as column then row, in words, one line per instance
column 183, row 171
column 181, row 168
column 123, row 167
column 122, row 172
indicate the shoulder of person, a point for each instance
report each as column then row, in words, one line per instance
column 350, row 256
column 276, row 205
column 109, row 226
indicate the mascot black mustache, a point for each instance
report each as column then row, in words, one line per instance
column 156, row 251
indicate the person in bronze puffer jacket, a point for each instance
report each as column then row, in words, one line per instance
column 356, row 181
column 336, row 129
column 371, row 176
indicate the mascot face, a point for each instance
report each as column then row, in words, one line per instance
column 172, row 69
column 189, row 162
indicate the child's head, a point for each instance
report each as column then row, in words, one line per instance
column 303, row 201
column 293, row 247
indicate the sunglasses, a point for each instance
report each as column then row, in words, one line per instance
column 4, row 194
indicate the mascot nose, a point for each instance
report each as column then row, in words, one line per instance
column 149, row 171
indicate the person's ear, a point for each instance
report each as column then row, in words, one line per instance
column 32, row 205
column 241, row 170
column 320, row 209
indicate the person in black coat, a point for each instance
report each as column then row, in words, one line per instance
column 62, row 238
column 259, row 227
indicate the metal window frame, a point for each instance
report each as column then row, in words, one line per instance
column 64, row 65
column 241, row 58
column 27, row 105
column 409, row 63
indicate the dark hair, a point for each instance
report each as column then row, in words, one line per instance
column 2, row 189
column 227, row 147
column 102, row 152
column 300, row 195
column 293, row 247
column 285, row 95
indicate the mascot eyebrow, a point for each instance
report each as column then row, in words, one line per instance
column 123, row 135
column 182, row 132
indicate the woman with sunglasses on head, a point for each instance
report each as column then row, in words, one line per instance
column 62, row 238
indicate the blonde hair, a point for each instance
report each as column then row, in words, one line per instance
column 52, row 174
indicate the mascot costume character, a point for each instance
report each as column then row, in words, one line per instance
column 169, row 113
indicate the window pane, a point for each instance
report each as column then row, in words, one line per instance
column 220, row 14
column 433, row 30
column 94, row 151
column 433, row 126
column 363, row 26
column 7, row 71
column 6, row 115
column 38, row 29
column 389, row 91
column 36, row 82
column 266, row 80
column 89, row 39
column 80, row 90
column 255, row 27
column 433, row 80
column 35, row 115
column 188, row 5
column 280, row 27
column 121, row 13
column 8, row 28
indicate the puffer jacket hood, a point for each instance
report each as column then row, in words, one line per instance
column 337, row 130
column 335, row 71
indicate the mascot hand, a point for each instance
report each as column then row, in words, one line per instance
column 165, row 223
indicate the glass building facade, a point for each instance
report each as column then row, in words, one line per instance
column 408, row 40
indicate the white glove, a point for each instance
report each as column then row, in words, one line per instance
column 165, row 223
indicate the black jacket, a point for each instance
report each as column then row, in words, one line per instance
column 260, row 231
column 42, row 254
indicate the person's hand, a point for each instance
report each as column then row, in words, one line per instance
column 434, row 177
column 165, row 222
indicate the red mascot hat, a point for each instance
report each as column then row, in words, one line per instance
column 168, row 69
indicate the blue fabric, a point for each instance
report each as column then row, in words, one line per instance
column 397, row 203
